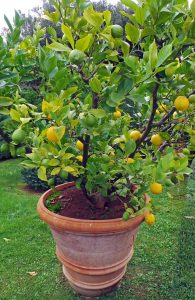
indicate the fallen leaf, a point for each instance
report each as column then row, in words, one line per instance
column 6, row 240
column 32, row 273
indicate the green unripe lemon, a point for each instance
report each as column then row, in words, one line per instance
column 76, row 57
column 51, row 182
column 18, row 136
column 192, row 98
column 63, row 174
column 186, row 151
column 126, row 216
column 90, row 121
column 170, row 71
column 116, row 31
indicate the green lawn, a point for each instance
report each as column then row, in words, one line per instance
column 162, row 266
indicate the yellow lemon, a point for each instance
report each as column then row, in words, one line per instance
column 156, row 188
column 117, row 114
column 150, row 219
column 156, row 140
column 80, row 158
column 162, row 107
column 130, row 160
column 157, row 112
column 135, row 135
column 181, row 103
column 79, row 145
column 51, row 135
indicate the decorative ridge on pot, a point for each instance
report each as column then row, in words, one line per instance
column 80, row 225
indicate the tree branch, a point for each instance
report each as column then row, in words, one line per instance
column 149, row 125
column 166, row 117
column 191, row 93
column 86, row 151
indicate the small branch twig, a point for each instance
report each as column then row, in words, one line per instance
column 191, row 93
column 166, row 117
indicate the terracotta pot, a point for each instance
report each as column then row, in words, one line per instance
column 94, row 253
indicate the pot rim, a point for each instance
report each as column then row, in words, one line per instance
column 59, row 222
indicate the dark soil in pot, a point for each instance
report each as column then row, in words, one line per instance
column 73, row 203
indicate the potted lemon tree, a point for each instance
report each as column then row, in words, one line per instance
column 117, row 114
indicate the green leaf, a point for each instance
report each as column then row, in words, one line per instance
column 83, row 44
column 55, row 171
column 14, row 114
column 95, row 85
column 131, row 4
column 88, row 100
column 67, row 156
column 163, row 54
column 107, row 16
column 58, row 47
column 4, row 111
column 192, row 6
column 131, row 61
column 94, row 18
column 130, row 147
column 53, row 16
column 69, row 169
column 140, row 15
column 8, row 23
column 42, row 173
column 60, row 131
column 125, row 48
column 67, row 31
column 54, row 162
column 25, row 120
column 153, row 54
column 98, row 113
column 5, row 101
column 52, row 32
column 132, row 33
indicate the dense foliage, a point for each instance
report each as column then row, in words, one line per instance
column 117, row 102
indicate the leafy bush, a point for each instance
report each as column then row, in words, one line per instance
column 30, row 177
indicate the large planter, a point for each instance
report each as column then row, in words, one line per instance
column 94, row 253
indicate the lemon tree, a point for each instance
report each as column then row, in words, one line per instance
column 19, row 70
column 109, row 101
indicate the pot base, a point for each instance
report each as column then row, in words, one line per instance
column 93, row 290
